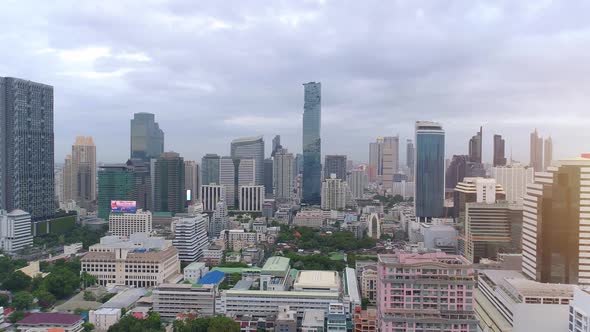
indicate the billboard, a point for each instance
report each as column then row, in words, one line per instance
column 123, row 206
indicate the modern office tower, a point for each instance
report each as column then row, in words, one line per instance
column 499, row 151
column 115, row 183
column 276, row 144
column 475, row 147
column 251, row 198
column 210, row 169
column 358, row 182
column 169, row 192
column 147, row 139
column 335, row 164
column 251, row 148
column 536, row 151
column 283, row 165
column 547, row 152
column 142, row 187
column 514, row 179
column 268, row 177
column 333, row 194
column 219, row 219
column 210, row 195
column 190, row 237
column 410, row 151
column 26, row 147
column 15, row 231
column 390, row 160
column 80, row 173
column 491, row 229
column 432, row 291
column 298, row 166
column 554, row 227
column 234, row 173
column 375, row 167
column 460, row 168
column 429, row 170
column 67, row 179
column 312, row 144
column 476, row 190
column 125, row 224
column 191, row 180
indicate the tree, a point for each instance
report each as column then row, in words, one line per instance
column 208, row 324
column 44, row 298
column 4, row 300
column 88, row 327
column 22, row 300
column 223, row 324
column 87, row 279
column 61, row 282
column 16, row 316
column 17, row 281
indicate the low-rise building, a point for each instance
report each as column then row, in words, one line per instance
column 336, row 319
column 274, row 275
column 317, row 281
column 237, row 239
column 15, row 231
column 369, row 283
column 365, row 320
column 309, row 218
column 351, row 292
column 213, row 255
column 172, row 299
column 104, row 318
column 195, row 271
column 51, row 321
column 313, row 321
column 286, row 320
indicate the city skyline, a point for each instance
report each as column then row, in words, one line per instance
column 102, row 77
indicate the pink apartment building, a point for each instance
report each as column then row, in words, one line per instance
column 425, row 293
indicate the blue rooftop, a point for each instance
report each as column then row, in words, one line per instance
column 213, row 277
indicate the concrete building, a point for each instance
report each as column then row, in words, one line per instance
column 506, row 301
column 351, row 296
column 169, row 192
column 275, row 275
column 555, row 235
column 374, row 169
column 536, row 149
column 195, row 271
column 210, row 169
column 317, row 281
column 251, row 198
column 15, row 231
column 237, row 239
column 373, row 226
column 358, row 182
column 425, row 291
column 147, row 139
column 389, row 160
column 286, row 320
column 26, row 148
column 213, row 255
column 51, row 321
column 125, row 224
column 336, row 319
column 579, row 313
column 170, row 300
column 190, row 237
column 499, row 159
column 283, row 171
column 333, row 193
column 104, row 318
column 476, row 190
column 313, row 321
column 514, row 179
column 335, row 164
column 192, row 181
column 475, row 147
column 79, row 177
column 404, row 189
column 268, row 177
column 312, row 144
column 234, row 173
column 429, row 170
column 309, row 218
column 250, row 148
column 219, row 220
column 141, row 261
column 211, row 194
column 547, row 153
column 369, row 284
column 365, row 320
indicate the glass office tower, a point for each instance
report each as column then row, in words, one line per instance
column 429, row 170
column 312, row 146
column 147, row 139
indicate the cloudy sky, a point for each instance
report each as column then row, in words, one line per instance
column 213, row 71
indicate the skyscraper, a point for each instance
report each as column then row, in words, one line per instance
column 80, row 173
column 536, row 151
column 389, row 160
column 547, row 152
column 268, row 177
column 210, row 169
column 298, row 165
column 115, row 182
column 169, row 192
column 475, row 147
column 219, row 220
column 250, row 148
column 312, row 145
column 276, row 144
column 333, row 193
column 190, row 237
column 335, row 164
column 410, row 151
column 234, row 173
column 283, row 165
column 499, row 151
column 555, row 234
column 375, row 164
column 191, row 179
column 358, row 182
column 26, row 147
column 429, row 170
column 147, row 139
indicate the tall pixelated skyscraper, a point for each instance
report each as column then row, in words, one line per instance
column 147, row 139
column 312, row 145
column 429, row 170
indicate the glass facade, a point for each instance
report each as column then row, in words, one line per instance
column 147, row 139
column 251, row 148
column 312, row 145
column 210, row 169
column 115, row 182
column 430, row 174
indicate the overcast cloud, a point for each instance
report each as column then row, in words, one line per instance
column 213, row 71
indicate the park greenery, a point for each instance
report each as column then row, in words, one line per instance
column 208, row 324
column 75, row 234
column 311, row 239
column 314, row 262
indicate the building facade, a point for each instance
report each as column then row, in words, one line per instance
column 475, row 147
column 499, row 151
column 125, row 224
column 169, row 191
column 234, row 173
column 312, row 144
column 147, row 139
column 192, row 180
column 251, row 148
column 209, row 169
column 251, row 198
column 210, row 195
column 536, row 149
column 358, row 182
column 333, row 194
column 410, row 155
column 335, row 164
column 514, row 179
column 15, row 231
column 547, row 153
column 429, row 170
column 283, row 165
column 219, row 220
column 79, row 177
column 173, row 299
column 190, row 237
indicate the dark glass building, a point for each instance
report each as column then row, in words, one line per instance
column 251, row 148
column 499, row 151
column 147, row 139
column 169, row 191
column 210, row 169
column 410, row 152
column 268, row 177
column 26, row 148
column 312, row 144
column 429, row 170
column 335, row 164
column 475, row 147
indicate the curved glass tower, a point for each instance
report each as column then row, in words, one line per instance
column 429, row 170
column 312, row 146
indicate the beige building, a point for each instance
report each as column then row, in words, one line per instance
column 172, row 299
column 79, row 173
column 369, row 284
column 141, row 261
column 125, row 224
column 104, row 318
column 317, row 281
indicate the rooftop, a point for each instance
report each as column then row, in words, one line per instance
column 50, row 318
column 423, row 258
column 276, row 265
column 288, row 294
column 213, row 277
column 195, row 266
column 530, row 288
column 317, row 279
column 125, row 298
column 232, row 270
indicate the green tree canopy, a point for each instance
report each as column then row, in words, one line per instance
column 22, row 300
column 17, row 281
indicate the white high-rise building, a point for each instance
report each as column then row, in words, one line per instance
column 219, row 220
column 210, row 195
column 579, row 313
column 514, row 179
column 333, row 194
column 358, row 182
column 190, row 237
column 283, row 164
column 15, row 231
column 125, row 224
column 234, row 173
column 251, row 198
